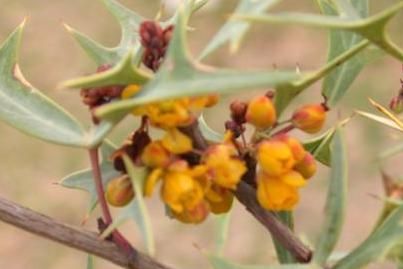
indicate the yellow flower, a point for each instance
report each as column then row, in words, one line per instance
column 155, row 155
column 309, row 118
column 176, row 142
column 307, row 166
column 298, row 151
column 261, row 112
column 200, row 102
column 225, row 169
column 274, row 194
column 195, row 215
column 151, row 181
column 293, row 179
column 181, row 192
column 219, row 199
column 119, row 191
column 169, row 113
column 275, row 157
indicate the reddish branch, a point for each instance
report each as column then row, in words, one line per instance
column 73, row 237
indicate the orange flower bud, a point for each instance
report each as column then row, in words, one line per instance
column 298, row 151
column 195, row 215
column 176, row 142
column 261, row 112
column 130, row 91
column 274, row 194
column 119, row 191
column 275, row 157
column 155, row 155
column 181, row 192
column 309, row 118
column 306, row 167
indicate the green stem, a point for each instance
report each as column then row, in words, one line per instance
column 283, row 255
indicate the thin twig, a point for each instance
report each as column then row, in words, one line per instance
column 73, row 237
column 118, row 238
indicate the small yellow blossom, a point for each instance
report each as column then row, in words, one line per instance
column 176, row 142
column 298, row 151
column 307, row 166
column 225, row 169
column 275, row 157
column 293, row 179
column 261, row 112
column 152, row 180
column 220, row 199
column 309, row 118
column 155, row 155
column 195, row 215
column 181, row 192
column 274, row 194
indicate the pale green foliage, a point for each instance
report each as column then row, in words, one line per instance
column 355, row 37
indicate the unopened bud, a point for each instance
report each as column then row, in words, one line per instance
column 235, row 128
column 119, row 191
column 261, row 112
column 309, row 118
column 238, row 111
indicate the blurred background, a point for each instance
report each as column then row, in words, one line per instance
column 30, row 168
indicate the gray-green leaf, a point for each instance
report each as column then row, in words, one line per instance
column 336, row 200
column 27, row 109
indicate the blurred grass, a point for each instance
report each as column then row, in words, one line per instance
column 48, row 56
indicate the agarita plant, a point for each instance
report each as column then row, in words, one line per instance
column 152, row 75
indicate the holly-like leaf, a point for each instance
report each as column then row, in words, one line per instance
column 218, row 262
column 136, row 209
column 84, row 180
column 378, row 245
column 233, row 31
column 129, row 22
column 336, row 200
column 372, row 28
column 339, row 80
column 286, row 92
column 180, row 75
column 26, row 108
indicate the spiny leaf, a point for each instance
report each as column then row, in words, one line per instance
column 123, row 73
column 336, row 200
column 129, row 22
column 181, row 76
column 136, row 209
column 285, row 93
column 378, row 245
column 218, row 262
column 83, row 179
column 339, row 80
column 233, row 31
column 387, row 113
column 372, row 28
column 26, row 108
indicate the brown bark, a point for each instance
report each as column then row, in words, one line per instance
column 73, row 237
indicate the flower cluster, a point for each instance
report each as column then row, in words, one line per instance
column 191, row 192
column 283, row 163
